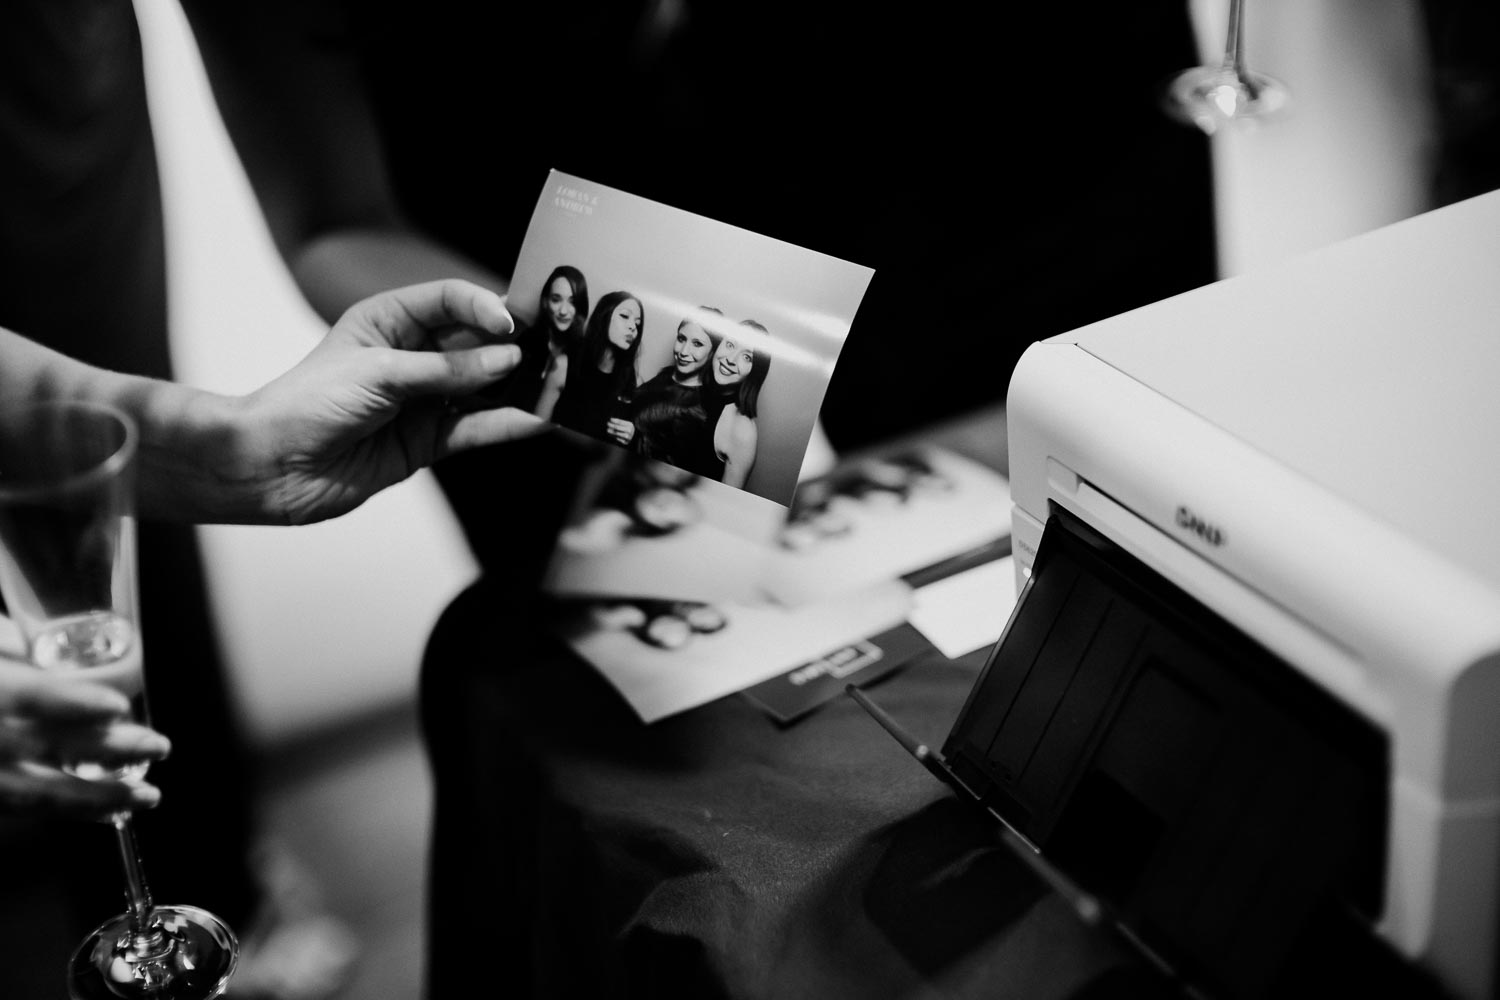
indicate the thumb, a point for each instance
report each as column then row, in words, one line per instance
column 486, row 427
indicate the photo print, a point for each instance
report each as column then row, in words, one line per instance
column 645, row 529
column 679, row 339
column 680, row 590
column 883, row 517
column 667, row 657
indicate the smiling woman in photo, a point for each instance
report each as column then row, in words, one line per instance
column 562, row 309
column 590, row 387
column 670, row 418
column 731, row 395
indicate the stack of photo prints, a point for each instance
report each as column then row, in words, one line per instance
column 693, row 566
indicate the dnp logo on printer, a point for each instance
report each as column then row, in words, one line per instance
column 1210, row 533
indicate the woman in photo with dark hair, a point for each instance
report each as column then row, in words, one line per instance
column 590, row 387
column 731, row 396
column 562, row 310
column 670, row 419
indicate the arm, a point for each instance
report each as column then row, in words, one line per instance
column 365, row 409
column 169, row 416
column 552, row 387
column 739, row 436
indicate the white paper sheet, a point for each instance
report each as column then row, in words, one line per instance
column 968, row 610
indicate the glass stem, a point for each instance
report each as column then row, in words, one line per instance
column 137, row 893
column 1234, row 48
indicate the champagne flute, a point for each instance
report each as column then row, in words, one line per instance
column 67, row 573
column 1209, row 96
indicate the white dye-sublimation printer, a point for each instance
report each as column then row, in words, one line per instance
column 1251, row 694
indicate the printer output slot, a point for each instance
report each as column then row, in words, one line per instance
column 1225, row 806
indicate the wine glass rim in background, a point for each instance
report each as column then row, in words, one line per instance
column 25, row 487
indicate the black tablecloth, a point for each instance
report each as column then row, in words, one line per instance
column 577, row 852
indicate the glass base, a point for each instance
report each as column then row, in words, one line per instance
column 185, row 954
column 1210, row 96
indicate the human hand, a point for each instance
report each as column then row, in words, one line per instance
column 369, row 405
column 48, row 718
column 620, row 429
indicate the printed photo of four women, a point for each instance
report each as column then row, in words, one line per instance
column 711, row 353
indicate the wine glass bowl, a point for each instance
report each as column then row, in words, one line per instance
column 68, row 577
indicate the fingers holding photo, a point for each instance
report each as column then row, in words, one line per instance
column 463, row 430
column 409, row 318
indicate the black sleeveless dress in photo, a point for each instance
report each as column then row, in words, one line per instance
column 590, row 398
column 702, row 455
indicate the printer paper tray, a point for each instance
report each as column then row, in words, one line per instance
column 1225, row 811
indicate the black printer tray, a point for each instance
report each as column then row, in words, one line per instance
column 1229, row 814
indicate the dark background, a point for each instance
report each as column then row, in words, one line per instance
column 1003, row 167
